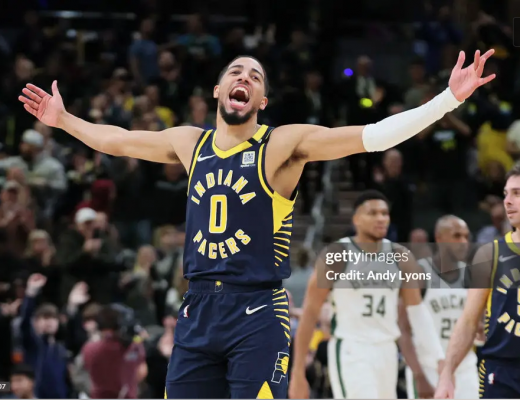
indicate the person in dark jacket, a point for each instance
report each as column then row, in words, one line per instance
column 47, row 357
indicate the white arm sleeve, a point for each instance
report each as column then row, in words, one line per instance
column 396, row 129
column 424, row 332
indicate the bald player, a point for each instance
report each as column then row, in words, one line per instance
column 444, row 297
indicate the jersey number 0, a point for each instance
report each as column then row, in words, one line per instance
column 218, row 213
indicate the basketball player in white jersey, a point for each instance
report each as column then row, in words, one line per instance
column 444, row 297
column 363, row 356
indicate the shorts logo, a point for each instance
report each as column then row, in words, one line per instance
column 491, row 378
column 218, row 286
column 248, row 158
column 186, row 311
column 280, row 367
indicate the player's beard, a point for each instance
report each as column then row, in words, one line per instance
column 374, row 237
column 233, row 118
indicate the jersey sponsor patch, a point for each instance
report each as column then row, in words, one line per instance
column 248, row 158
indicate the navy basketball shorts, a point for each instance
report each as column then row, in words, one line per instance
column 230, row 342
column 499, row 379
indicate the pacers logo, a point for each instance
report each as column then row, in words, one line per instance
column 280, row 367
column 218, row 286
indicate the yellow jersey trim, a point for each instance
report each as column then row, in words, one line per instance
column 265, row 392
column 196, row 155
column 511, row 244
column 239, row 147
column 493, row 272
column 263, row 181
column 282, row 207
column 265, row 185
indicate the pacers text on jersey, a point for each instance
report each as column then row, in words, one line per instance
column 362, row 257
column 218, row 214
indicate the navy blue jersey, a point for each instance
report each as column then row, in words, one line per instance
column 238, row 230
column 502, row 320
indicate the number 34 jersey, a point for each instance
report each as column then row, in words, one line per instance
column 445, row 300
column 365, row 303
column 238, row 229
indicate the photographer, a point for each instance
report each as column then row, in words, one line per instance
column 116, row 363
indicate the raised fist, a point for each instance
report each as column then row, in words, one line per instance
column 35, row 283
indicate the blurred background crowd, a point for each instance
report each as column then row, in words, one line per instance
column 79, row 229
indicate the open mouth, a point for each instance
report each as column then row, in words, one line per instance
column 239, row 97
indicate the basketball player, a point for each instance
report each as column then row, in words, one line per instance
column 233, row 335
column 445, row 297
column 362, row 353
column 495, row 290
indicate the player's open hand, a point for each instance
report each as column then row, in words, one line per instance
column 42, row 105
column 464, row 81
column 445, row 387
column 298, row 387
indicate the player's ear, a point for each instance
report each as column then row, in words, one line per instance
column 263, row 104
column 355, row 219
column 216, row 90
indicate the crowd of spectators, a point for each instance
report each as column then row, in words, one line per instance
column 79, row 229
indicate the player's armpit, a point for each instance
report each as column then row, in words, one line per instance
column 319, row 143
column 479, row 272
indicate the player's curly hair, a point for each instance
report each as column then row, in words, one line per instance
column 266, row 80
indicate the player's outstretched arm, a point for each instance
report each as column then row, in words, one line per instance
column 167, row 146
column 467, row 325
column 315, row 143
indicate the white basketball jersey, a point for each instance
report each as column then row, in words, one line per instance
column 365, row 307
column 445, row 300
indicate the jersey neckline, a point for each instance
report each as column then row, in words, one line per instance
column 439, row 273
column 239, row 147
